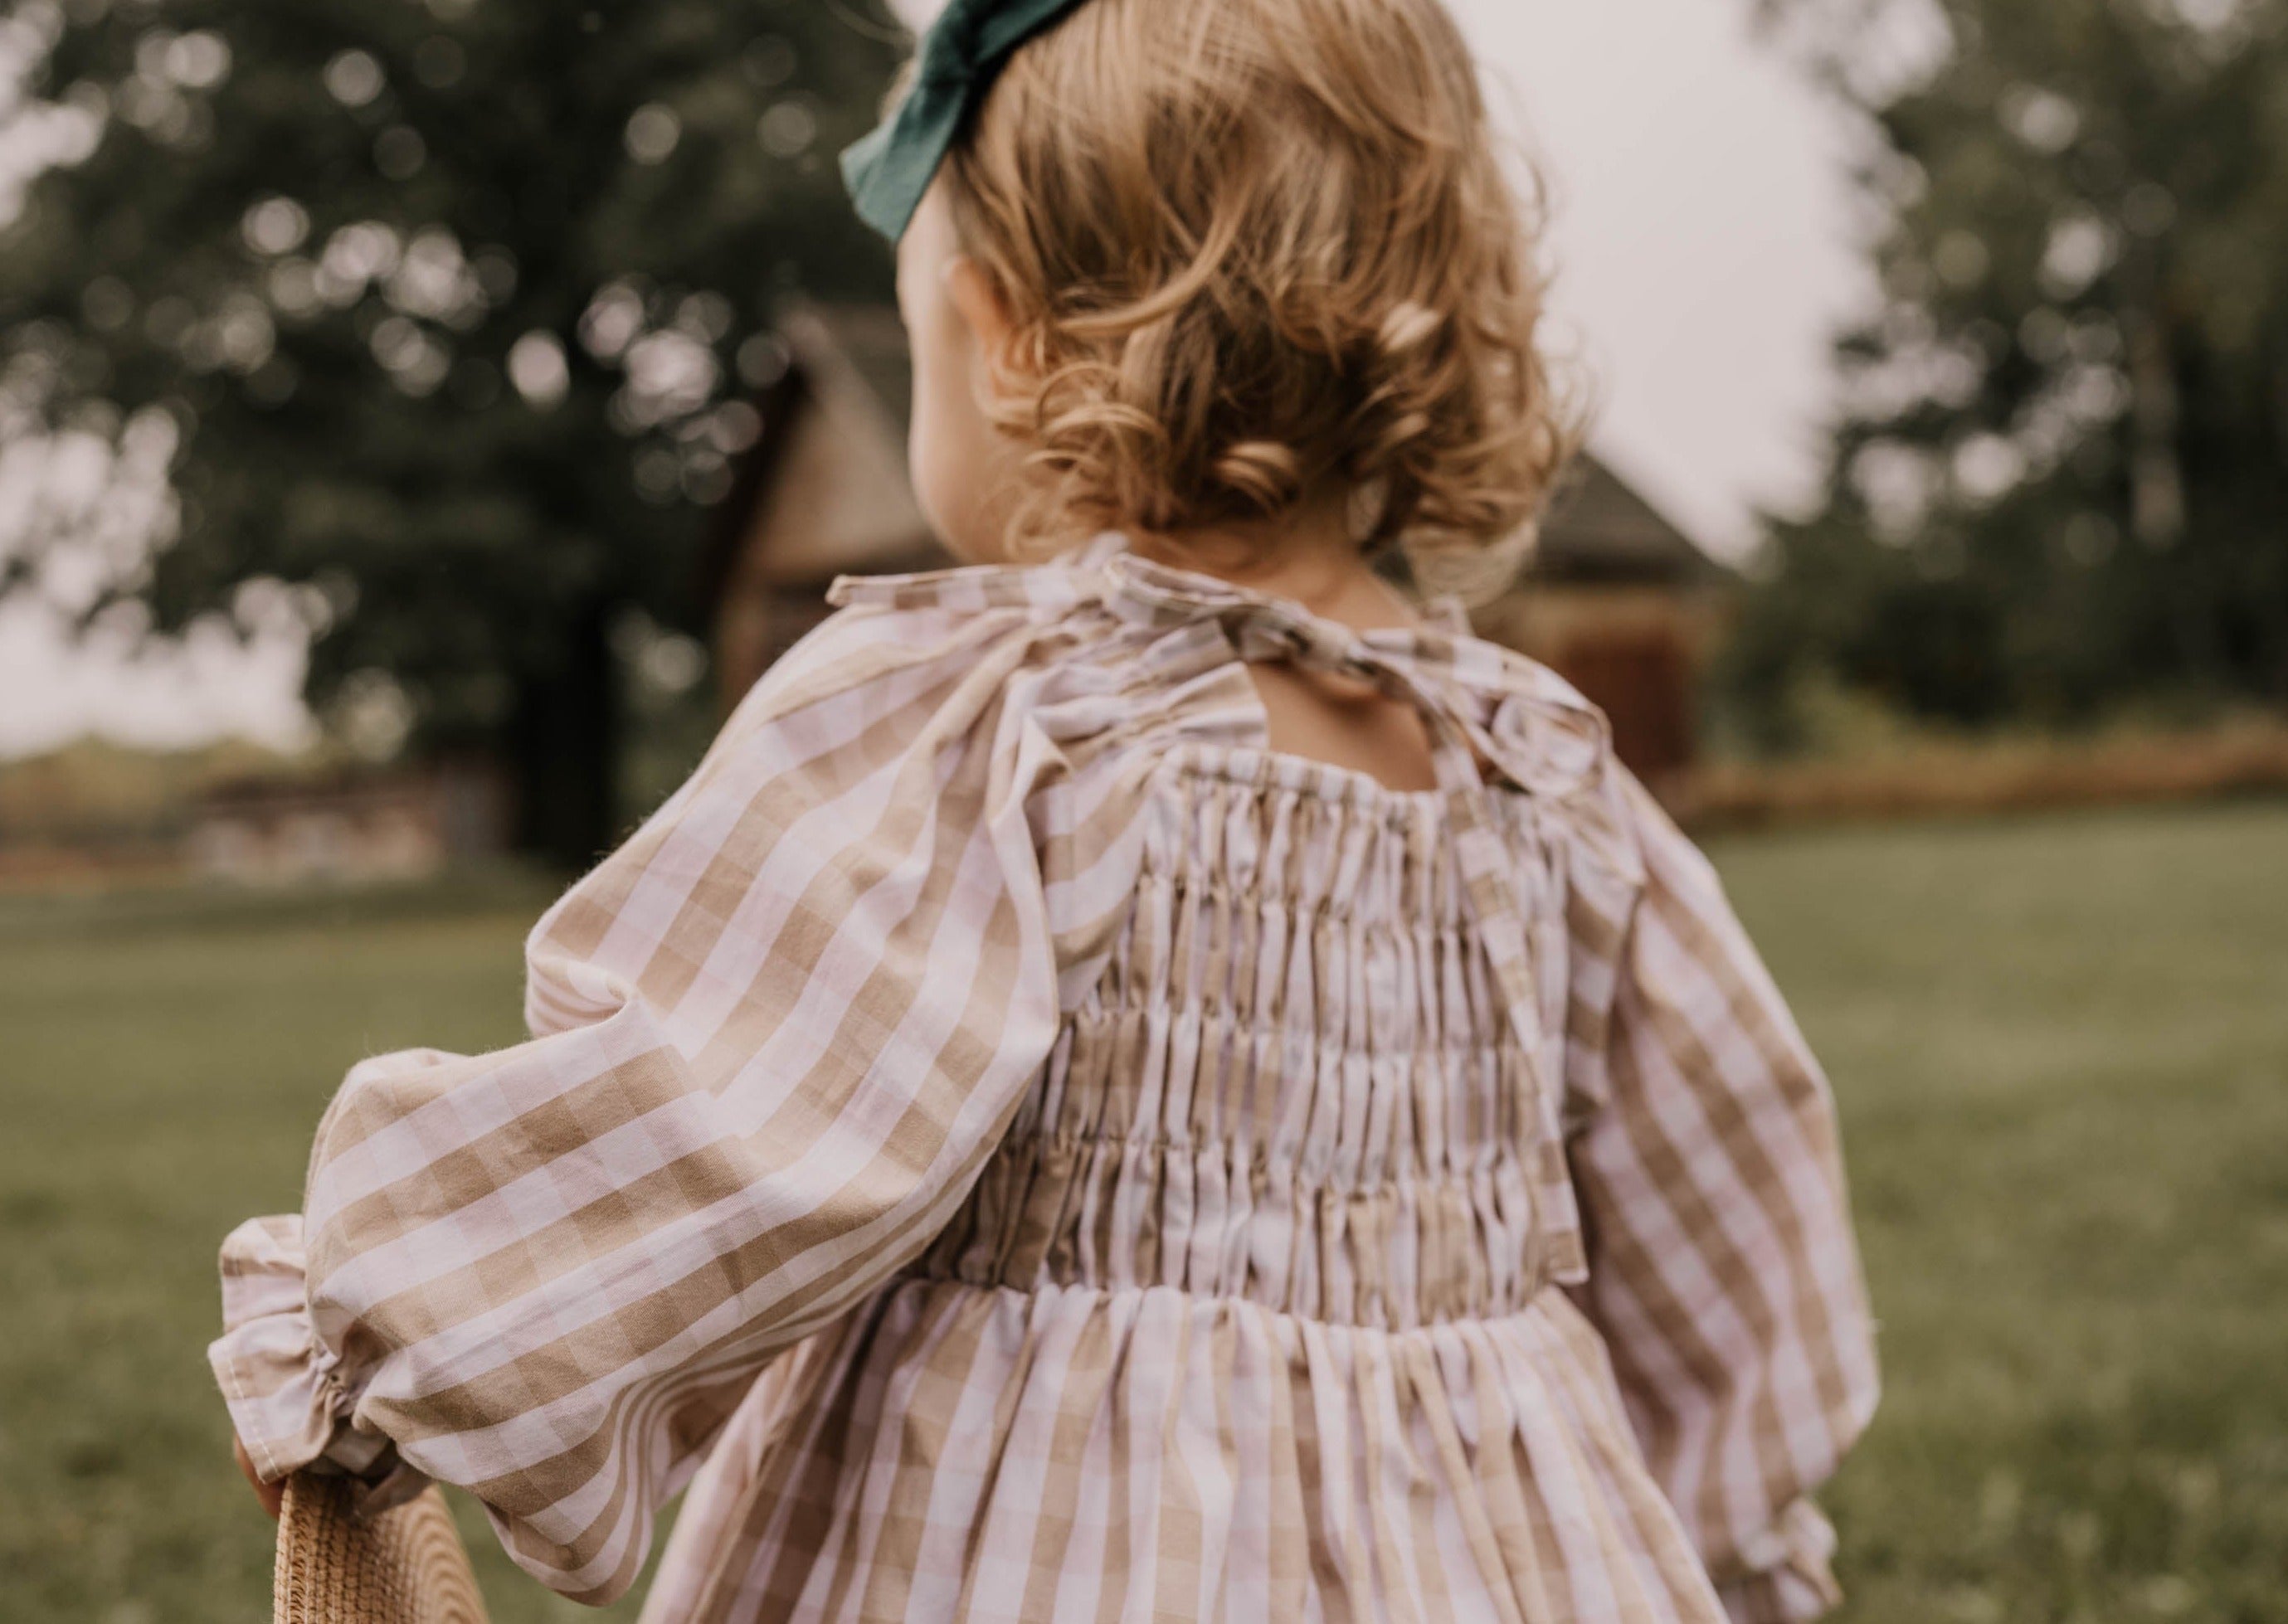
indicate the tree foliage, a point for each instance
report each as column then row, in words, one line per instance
column 437, row 318
column 2058, row 476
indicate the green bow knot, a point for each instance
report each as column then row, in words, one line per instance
column 965, row 48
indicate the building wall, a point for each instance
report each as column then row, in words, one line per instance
column 1634, row 652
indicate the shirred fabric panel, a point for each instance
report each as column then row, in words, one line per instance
column 776, row 1035
column 1292, row 1082
column 1724, row 1275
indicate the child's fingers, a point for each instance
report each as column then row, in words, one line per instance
column 271, row 1494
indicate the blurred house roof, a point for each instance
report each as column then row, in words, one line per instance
column 871, row 339
column 851, row 364
column 1601, row 529
column 833, row 431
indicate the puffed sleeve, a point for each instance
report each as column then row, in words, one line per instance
column 776, row 1035
column 1723, row 1271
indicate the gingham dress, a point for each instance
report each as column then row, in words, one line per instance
column 1018, row 1147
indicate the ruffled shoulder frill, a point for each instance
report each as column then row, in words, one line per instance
column 1548, row 738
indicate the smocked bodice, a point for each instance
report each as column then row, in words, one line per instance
column 1293, row 1083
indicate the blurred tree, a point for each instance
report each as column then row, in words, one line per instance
column 432, row 320
column 2059, row 471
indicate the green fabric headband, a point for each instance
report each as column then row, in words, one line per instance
column 970, row 42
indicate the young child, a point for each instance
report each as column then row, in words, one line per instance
column 1143, row 1076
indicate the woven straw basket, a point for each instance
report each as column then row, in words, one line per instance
column 407, row 1567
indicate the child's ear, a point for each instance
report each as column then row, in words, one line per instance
column 978, row 298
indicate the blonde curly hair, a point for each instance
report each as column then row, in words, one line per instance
column 1261, row 254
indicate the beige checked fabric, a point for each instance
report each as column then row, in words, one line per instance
column 1016, row 1147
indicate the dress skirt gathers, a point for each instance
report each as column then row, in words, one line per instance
column 1017, row 1147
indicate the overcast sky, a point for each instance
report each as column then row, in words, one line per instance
column 1702, row 240
column 1702, row 244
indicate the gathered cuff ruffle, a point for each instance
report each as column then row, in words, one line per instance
column 288, row 1397
column 1799, row 1585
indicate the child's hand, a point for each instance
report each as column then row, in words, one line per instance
column 269, row 1494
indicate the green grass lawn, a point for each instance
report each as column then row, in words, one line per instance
column 2060, row 1046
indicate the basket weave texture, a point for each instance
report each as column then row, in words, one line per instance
column 407, row 1567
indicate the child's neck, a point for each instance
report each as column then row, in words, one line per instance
column 1346, row 722
column 1310, row 558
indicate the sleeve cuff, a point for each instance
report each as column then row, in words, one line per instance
column 282, row 1384
column 1798, row 1585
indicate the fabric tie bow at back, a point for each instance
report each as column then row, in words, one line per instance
column 972, row 41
